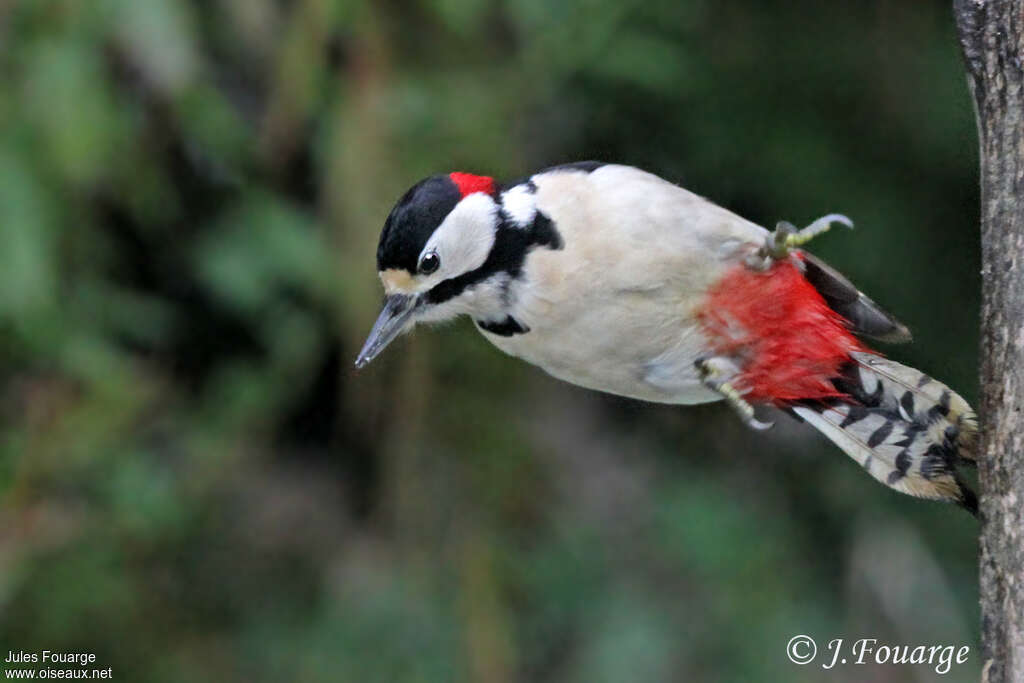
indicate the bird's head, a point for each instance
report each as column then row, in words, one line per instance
column 436, row 257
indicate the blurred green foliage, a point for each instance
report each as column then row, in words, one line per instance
column 196, row 486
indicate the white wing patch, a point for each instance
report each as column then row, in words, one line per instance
column 520, row 205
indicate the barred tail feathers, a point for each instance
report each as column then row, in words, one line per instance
column 909, row 431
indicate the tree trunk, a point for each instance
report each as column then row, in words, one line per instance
column 991, row 39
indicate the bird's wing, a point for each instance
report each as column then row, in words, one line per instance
column 866, row 318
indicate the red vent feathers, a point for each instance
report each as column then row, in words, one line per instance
column 791, row 344
column 469, row 183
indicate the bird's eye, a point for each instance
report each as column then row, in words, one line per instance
column 429, row 263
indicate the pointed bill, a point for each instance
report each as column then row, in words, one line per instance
column 392, row 321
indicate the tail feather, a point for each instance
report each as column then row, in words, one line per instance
column 912, row 393
column 909, row 431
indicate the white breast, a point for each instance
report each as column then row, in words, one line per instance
column 614, row 309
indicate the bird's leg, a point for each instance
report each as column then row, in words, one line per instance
column 785, row 238
column 711, row 371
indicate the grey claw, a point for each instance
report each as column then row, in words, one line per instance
column 838, row 218
column 758, row 425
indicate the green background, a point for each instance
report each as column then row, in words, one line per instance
column 196, row 485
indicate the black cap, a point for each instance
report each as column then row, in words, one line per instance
column 413, row 220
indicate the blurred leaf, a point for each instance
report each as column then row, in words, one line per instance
column 258, row 251
column 28, row 268
column 158, row 35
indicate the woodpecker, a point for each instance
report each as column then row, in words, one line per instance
column 614, row 279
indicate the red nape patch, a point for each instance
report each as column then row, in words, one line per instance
column 789, row 343
column 469, row 183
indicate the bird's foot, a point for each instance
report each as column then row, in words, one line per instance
column 711, row 371
column 785, row 238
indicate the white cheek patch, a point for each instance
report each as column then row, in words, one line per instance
column 520, row 205
column 465, row 238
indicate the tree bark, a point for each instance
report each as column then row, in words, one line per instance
column 993, row 48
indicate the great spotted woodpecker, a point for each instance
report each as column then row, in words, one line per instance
column 614, row 279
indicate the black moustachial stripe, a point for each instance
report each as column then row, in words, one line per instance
column 511, row 245
column 504, row 328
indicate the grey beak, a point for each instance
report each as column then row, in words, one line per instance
column 397, row 310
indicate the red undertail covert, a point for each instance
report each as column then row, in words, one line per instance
column 788, row 342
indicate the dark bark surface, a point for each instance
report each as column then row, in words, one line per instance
column 990, row 36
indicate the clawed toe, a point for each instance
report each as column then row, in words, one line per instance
column 786, row 237
column 710, row 377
